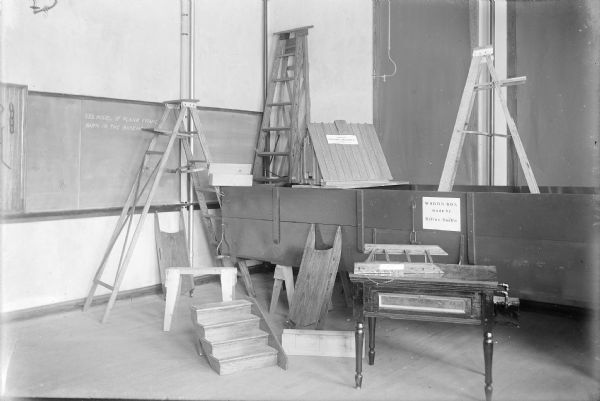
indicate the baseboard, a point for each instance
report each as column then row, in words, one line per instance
column 68, row 306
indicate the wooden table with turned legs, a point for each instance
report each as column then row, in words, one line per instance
column 450, row 293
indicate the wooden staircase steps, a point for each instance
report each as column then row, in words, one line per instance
column 234, row 336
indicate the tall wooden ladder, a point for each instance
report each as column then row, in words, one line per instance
column 145, row 185
column 482, row 57
column 286, row 111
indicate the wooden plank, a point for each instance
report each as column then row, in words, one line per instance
column 315, row 281
column 399, row 249
column 317, row 136
column 319, row 343
column 375, row 152
column 229, row 168
column 388, row 268
column 230, row 180
column 171, row 251
column 333, row 151
column 365, row 164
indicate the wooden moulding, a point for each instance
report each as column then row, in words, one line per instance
column 319, row 343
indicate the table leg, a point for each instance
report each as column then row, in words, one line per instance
column 372, row 321
column 488, row 351
column 359, row 336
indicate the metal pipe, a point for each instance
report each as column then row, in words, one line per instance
column 490, row 103
column 265, row 49
column 190, row 126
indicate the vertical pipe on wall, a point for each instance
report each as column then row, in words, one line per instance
column 190, row 126
column 265, row 51
column 490, row 97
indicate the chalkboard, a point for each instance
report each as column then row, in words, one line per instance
column 83, row 153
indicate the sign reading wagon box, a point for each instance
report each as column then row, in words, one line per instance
column 441, row 214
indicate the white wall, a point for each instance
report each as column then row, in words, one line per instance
column 340, row 50
column 131, row 50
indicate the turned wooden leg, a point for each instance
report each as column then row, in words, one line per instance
column 488, row 351
column 359, row 336
column 372, row 322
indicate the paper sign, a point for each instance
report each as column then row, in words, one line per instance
column 342, row 139
column 441, row 214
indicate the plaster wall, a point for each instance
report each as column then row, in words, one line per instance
column 131, row 50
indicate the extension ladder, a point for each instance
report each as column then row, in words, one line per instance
column 482, row 56
column 145, row 186
column 286, row 111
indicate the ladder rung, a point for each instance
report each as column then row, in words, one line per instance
column 273, row 153
column 157, row 131
column 277, row 128
column 105, row 285
column 270, row 179
column 211, row 216
column 283, row 79
column 279, row 104
column 286, row 55
column 191, row 169
column 484, row 133
column 502, row 82
column 155, row 152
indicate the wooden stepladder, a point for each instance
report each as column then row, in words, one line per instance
column 482, row 56
column 145, row 185
column 286, row 111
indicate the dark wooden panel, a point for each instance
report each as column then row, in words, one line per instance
column 231, row 136
column 112, row 148
column 314, row 205
column 393, row 209
column 559, row 217
column 541, row 270
column 248, row 202
column 52, row 136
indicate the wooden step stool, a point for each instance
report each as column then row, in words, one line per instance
column 173, row 278
column 282, row 273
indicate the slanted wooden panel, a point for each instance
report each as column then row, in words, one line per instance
column 171, row 250
column 315, row 281
column 349, row 152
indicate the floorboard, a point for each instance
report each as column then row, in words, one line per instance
column 552, row 356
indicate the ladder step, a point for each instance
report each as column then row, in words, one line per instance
column 211, row 216
column 157, row 131
column 484, row 133
column 286, row 55
column 211, row 190
column 283, row 79
column 502, row 82
column 273, row 153
column 270, row 179
column 155, row 152
column 277, row 129
column 105, row 285
column 279, row 104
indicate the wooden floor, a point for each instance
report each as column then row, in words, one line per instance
column 552, row 356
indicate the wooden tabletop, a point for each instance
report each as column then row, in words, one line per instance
column 447, row 273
